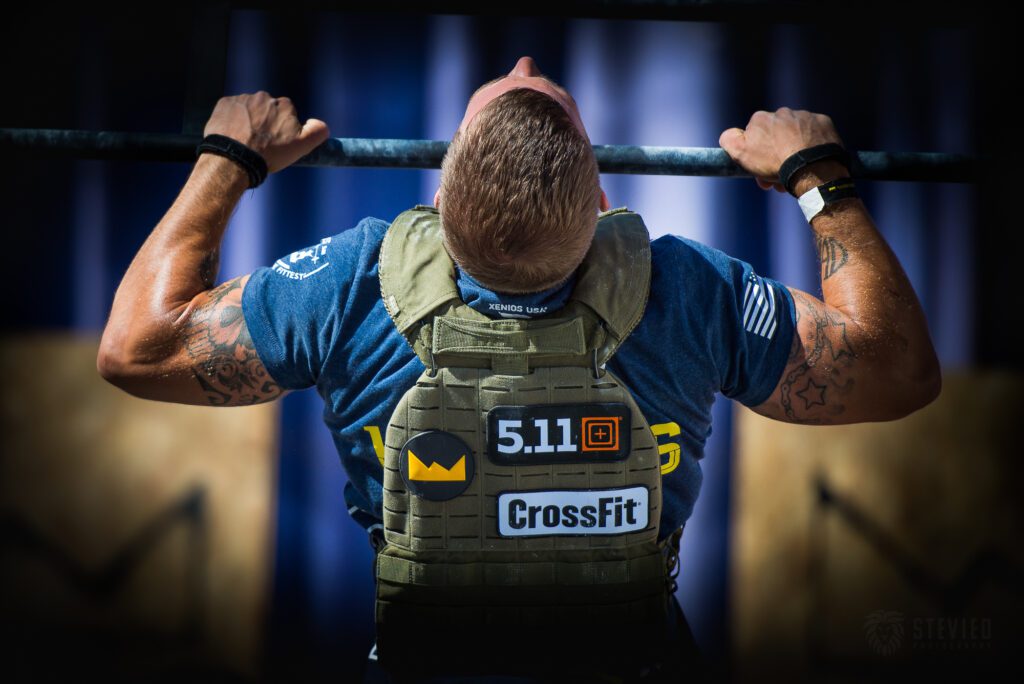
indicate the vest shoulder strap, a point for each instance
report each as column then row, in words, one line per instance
column 417, row 280
column 416, row 273
column 615, row 276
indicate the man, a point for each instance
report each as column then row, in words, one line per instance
column 519, row 200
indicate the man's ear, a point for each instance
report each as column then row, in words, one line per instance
column 605, row 206
column 437, row 199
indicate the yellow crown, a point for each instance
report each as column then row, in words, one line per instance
column 436, row 472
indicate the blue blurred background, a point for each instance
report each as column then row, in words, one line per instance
column 74, row 226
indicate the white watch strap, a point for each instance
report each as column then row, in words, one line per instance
column 811, row 202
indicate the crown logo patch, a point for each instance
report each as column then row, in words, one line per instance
column 436, row 472
column 436, row 465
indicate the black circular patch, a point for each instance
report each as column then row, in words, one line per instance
column 436, row 465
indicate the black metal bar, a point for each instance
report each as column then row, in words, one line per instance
column 427, row 154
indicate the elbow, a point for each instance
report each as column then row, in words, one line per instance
column 922, row 389
column 126, row 364
column 934, row 386
column 109, row 357
column 929, row 380
column 109, row 364
column 117, row 370
column 113, row 361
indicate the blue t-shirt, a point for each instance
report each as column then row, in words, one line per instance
column 711, row 325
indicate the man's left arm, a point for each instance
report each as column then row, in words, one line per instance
column 863, row 352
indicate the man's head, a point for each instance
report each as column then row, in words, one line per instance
column 520, row 190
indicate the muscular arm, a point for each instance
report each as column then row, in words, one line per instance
column 864, row 353
column 171, row 336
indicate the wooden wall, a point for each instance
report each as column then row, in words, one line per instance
column 136, row 535
column 880, row 549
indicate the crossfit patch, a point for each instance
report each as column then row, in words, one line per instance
column 436, row 465
column 558, row 433
column 572, row 512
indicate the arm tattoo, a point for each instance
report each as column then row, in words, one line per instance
column 224, row 360
column 830, row 349
column 831, row 253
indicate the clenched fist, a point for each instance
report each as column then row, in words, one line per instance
column 269, row 125
column 771, row 137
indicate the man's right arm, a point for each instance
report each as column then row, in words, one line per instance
column 171, row 335
column 864, row 353
column 212, row 360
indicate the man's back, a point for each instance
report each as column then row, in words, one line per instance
column 316, row 318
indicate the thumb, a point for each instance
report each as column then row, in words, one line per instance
column 732, row 141
column 313, row 133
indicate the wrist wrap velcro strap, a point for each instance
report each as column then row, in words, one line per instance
column 809, row 155
column 246, row 157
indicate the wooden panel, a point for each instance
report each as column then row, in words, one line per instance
column 878, row 547
column 129, row 522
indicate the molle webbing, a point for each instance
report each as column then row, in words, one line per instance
column 457, row 401
column 446, row 574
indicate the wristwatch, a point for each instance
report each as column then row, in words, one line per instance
column 816, row 199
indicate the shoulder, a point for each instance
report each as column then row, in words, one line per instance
column 296, row 308
column 364, row 236
column 680, row 248
column 364, row 240
column 687, row 258
column 343, row 251
column 369, row 231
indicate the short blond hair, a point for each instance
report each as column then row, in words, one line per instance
column 520, row 192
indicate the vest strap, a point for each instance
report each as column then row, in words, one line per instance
column 507, row 343
column 395, row 569
column 417, row 278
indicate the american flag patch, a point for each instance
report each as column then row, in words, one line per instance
column 759, row 307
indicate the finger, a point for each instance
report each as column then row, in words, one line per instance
column 763, row 184
column 285, row 103
column 313, row 133
column 732, row 141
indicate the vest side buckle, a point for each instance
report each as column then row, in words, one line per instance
column 433, row 364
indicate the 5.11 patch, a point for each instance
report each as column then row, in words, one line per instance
column 558, row 433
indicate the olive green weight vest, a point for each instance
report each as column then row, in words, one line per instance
column 453, row 593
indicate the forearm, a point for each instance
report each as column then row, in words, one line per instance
column 178, row 261
column 862, row 278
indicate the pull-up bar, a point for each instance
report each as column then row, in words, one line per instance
column 427, row 154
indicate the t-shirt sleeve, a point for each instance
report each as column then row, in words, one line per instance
column 292, row 309
column 750, row 323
